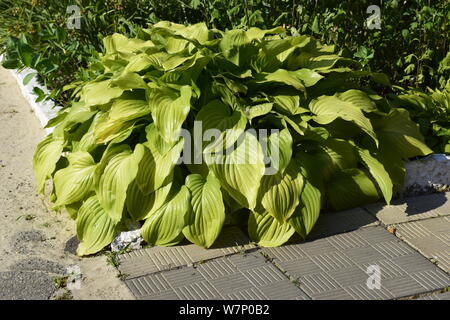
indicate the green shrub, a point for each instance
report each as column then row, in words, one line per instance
column 432, row 112
column 411, row 46
column 331, row 144
column 35, row 34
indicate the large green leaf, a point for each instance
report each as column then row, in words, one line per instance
column 288, row 102
column 240, row 171
column 205, row 220
column 329, row 108
column 95, row 228
column 117, row 170
column 308, row 76
column 281, row 76
column 98, row 93
column 140, row 205
column 47, row 154
column 401, row 135
column 164, row 227
column 359, row 99
column 350, row 188
column 123, row 110
column 280, row 193
column 266, row 231
column 378, row 172
column 307, row 213
column 279, row 150
column 158, row 161
column 221, row 124
column 129, row 81
column 341, row 154
column 169, row 110
column 76, row 181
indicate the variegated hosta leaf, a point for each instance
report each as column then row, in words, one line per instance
column 266, row 231
column 204, row 222
column 280, row 193
column 76, row 181
column 378, row 172
column 95, row 228
column 240, row 171
column 47, row 154
column 220, row 125
column 329, row 108
column 140, row 206
column 117, row 170
column 350, row 188
column 164, row 227
column 402, row 136
column 169, row 110
column 158, row 161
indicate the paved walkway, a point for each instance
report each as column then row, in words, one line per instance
column 36, row 245
column 343, row 251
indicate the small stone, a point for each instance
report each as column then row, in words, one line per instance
column 130, row 239
column 391, row 229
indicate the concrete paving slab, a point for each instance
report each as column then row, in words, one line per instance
column 239, row 276
column 430, row 237
column 150, row 260
column 332, row 223
column 412, row 209
column 439, row 296
column 337, row 267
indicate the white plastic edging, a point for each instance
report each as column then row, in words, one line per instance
column 44, row 110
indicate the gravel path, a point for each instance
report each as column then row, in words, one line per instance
column 36, row 244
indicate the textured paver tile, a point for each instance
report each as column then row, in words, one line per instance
column 336, row 267
column 439, row 296
column 412, row 209
column 239, row 276
column 145, row 261
column 430, row 237
column 338, row 222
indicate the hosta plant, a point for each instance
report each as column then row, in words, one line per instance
column 190, row 129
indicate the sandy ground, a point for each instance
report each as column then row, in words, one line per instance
column 36, row 244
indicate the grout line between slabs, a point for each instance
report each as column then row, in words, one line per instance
column 291, row 279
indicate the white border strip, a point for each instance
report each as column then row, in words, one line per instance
column 44, row 110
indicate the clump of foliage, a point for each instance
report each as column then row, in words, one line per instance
column 113, row 153
column 431, row 111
